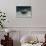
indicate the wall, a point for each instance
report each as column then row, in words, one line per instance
column 9, row 7
column 38, row 13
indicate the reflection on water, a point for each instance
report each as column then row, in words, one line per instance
column 28, row 14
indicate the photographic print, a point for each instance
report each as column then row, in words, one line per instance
column 23, row 11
